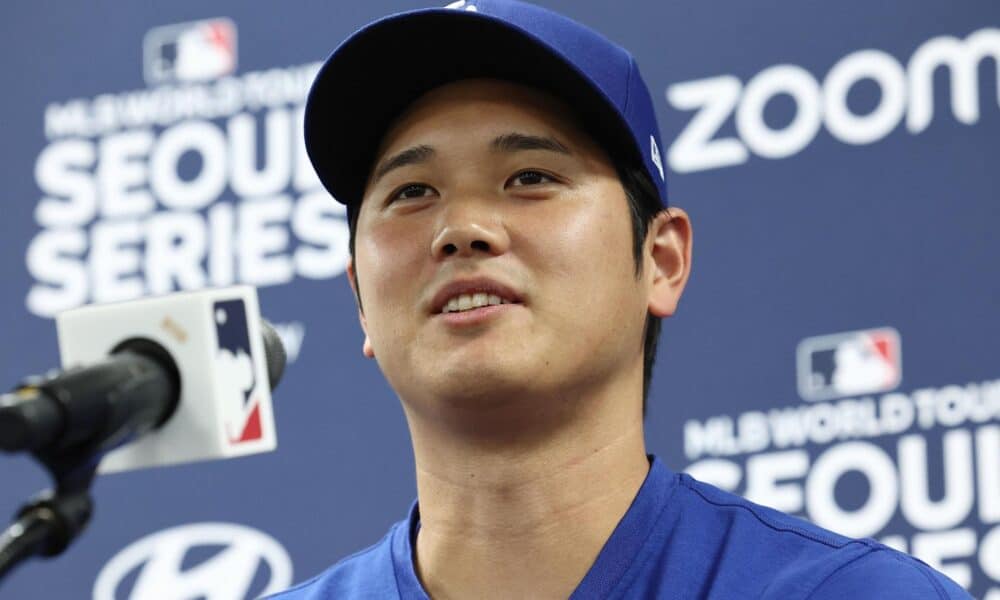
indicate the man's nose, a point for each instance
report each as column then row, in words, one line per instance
column 469, row 228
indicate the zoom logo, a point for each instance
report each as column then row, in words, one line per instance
column 905, row 93
column 214, row 561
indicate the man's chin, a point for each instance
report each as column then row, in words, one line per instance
column 476, row 388
column 482, row 389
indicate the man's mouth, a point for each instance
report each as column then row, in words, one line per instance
column 464, row 302
column 471, row 294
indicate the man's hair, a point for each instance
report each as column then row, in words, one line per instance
column 644, row 205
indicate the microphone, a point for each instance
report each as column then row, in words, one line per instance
column 127, row 394
column 155, row 381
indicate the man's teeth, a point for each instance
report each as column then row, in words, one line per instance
column 470, row 301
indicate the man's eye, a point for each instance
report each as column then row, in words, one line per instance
column 413, row 190
column 530, row 178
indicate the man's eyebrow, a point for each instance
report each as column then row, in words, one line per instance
column 410, row 156
column 513, row 142
column 508, row 142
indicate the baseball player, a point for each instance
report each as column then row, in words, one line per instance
column 513, row 252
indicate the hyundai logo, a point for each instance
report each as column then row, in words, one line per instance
column 214, row 561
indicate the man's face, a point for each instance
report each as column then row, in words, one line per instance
column 487, row 191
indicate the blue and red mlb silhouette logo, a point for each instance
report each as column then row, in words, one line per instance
column 190, row 52
column 235, row 364
column 849, row 364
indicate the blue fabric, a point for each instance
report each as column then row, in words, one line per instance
column 681, row 539
column 366, row 82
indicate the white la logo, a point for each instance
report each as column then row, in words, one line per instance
column 462, row 5
column 227, row 575
column 654, row 152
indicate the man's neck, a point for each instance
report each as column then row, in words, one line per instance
column 517, row 521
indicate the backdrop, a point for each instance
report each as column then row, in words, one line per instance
column 835, row 355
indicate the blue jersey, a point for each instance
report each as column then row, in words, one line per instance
column 681, row 539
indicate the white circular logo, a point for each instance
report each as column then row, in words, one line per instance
column 242, row 559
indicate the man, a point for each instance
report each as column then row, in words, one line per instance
column 512, row 256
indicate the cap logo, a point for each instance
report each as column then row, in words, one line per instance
column 654, row 154
column 463, row 5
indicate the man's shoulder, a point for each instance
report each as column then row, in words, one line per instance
column 887, row 573
column 793, row 558
column 745, row 525
column 365, row 574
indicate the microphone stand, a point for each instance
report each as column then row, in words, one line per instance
column 145, row 380
column 48, row 524
column 44, row 527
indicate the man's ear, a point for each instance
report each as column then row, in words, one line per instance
column 366, row 347
column 668, row 256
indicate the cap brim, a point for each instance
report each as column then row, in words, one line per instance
column 374, row 75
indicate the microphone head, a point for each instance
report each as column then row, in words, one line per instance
column 274, row 353
column 227, row 360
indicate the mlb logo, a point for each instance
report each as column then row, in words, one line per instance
column 239, row 399
column 849, row 364
column 190, row 52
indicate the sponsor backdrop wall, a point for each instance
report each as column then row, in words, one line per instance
column 836, row 354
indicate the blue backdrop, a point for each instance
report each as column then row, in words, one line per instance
column 835, row 355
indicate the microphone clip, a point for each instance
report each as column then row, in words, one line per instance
column 50, row 522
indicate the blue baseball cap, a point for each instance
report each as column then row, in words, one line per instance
column 382, row 68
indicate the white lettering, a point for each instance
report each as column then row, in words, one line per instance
column 780, row 79
column 115, row 260
column 989, row 554
column 262, row 241
column 988, row 474
column 119, row 174
column 722, row 474
column 175, row 246
column 55, row 261
column 222, row 258
column 872, row 462
column 962, row 60
column 247, row 180
column 66, row 119
column 57, row 172
column 166, row 105
column 753, row 432
column 897, row 413
column 788, row 427
column 192, row 136
column 910, row 92
column 936, row 547
column 916, row 504
column 694, row 149
column 864, row 64
column 714, row 437
column 765, row 474
column 318, row 223
column 822, row 423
